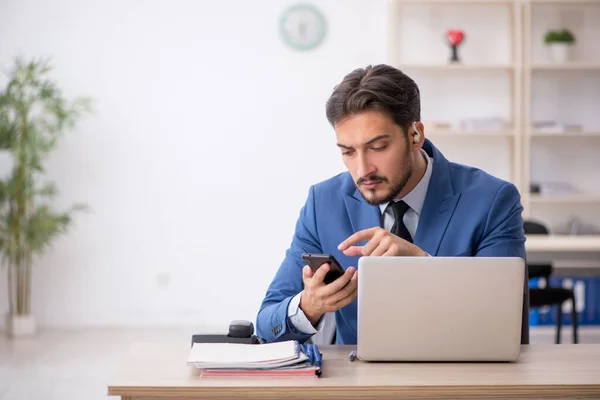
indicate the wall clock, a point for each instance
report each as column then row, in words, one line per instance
column 302, row 27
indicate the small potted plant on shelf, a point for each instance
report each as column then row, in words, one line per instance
column 33, row 115
column 559, row 42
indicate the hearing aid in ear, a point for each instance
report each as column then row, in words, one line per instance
column 417, row 135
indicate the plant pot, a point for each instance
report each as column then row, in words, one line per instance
column 560, row 52
column 19, row 326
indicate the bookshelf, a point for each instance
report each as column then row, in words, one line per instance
column 477, row 134
column 570, row 66
column 564, row 199
column 506, row 74
column 536, row 134
column 471, row 106
column 568, row 93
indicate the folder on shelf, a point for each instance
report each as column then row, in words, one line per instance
column 279, row 359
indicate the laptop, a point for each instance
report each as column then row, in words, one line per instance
column 440, row 308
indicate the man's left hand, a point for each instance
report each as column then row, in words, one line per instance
column 380, row 243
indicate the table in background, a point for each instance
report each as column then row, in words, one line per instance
column 542, row 248
column 159, row 371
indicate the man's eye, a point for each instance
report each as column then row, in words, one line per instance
column 347, row 152
column 379, row 148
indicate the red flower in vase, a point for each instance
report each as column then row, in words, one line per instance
column 455, row 37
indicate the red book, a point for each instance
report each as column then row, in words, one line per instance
column 312, row 372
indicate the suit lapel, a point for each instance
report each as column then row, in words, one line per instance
column 440, row 203
column 362, row 215
column 433, row 223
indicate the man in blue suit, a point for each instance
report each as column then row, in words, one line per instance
column 399, row 197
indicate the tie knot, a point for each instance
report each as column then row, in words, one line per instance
column 399, row 208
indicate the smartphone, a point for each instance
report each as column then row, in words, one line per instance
column 314, row 261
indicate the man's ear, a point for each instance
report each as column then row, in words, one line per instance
column 418, row 135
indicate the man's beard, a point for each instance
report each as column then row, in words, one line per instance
column 393, row 191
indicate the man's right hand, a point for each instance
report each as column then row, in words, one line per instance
column 317, row 298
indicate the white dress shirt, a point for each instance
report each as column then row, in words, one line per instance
column 415, row 200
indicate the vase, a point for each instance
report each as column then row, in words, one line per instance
column 560, row 52
column 20, row 326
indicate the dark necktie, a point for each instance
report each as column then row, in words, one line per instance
column 399, row 208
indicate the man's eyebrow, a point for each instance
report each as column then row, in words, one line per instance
column 376, row 138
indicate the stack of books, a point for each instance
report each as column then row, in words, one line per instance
column 279, row 359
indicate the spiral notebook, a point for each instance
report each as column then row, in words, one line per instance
column 279, row 359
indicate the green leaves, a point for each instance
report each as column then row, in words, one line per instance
column 48, row 190
column 8, row 128
column 33, row 115
column 43, row 226
column 33, row 103
column 3, row 192
column 559, row 36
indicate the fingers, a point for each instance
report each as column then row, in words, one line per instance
column 307, row 272
column 359, row 236
column 380, row 243
column 354, row 251
column 340, row 282
column 325, row 298
column 346, row 300
column 319, row 275
column 379, row 240
column 385, row 245
column 377, row 246
column 351, row 292
column 392, row 251
column 344, row 292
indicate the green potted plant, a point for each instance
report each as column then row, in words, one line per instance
column 33, row 115
column 559, row 42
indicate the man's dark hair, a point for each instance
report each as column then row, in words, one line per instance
column 378, row 87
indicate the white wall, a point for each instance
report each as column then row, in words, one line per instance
column 207, row 135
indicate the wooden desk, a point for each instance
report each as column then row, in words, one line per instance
column 156, row 371
column 562, row 247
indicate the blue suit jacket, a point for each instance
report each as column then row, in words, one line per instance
column 467, row 212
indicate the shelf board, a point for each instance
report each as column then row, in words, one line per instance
column 565, row 199
column 499, row 2
column 475, row 2
column 563, row 135
column 457, row 67
column 563, row 243
column 570, row 66
column 495, row 134
column 566, row 2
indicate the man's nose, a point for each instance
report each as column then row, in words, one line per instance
column 364, row 168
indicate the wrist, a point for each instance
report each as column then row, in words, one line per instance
column 314, row 320
column 312, row 317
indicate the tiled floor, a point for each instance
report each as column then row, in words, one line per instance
column 76, row 365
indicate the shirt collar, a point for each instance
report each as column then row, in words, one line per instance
column 416, row 197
